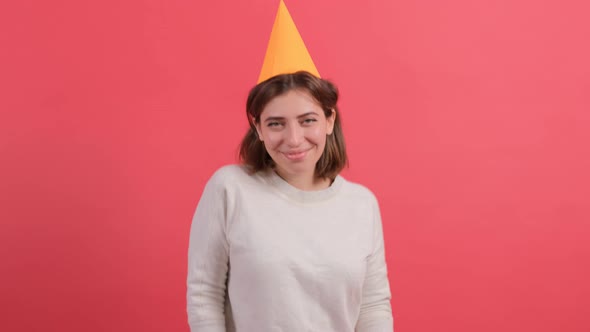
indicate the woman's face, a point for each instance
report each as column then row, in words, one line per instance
column 293, row 128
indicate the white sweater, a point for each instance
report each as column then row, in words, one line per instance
column 266, row 256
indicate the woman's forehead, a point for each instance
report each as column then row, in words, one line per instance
column 294, row 102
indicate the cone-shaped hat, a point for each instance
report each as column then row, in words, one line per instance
column 286, row 51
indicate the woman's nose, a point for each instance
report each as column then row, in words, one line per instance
column 294, row 135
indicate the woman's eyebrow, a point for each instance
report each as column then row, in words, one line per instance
column 306, row 114
column 274, row 118
column 280, row 118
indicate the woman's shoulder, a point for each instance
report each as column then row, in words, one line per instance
column 233, row 176
column 230, row 174
column 358, row 192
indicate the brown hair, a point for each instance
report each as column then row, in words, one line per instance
column 252, row 150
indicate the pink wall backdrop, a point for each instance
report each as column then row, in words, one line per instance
column 470, row 120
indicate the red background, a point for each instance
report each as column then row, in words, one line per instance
column 469, row 120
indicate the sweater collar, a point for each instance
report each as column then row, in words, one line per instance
column 302, row 196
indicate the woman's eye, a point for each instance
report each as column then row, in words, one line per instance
column 273, row 124
column 309, row 121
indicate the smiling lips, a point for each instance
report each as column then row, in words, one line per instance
column 296, row 155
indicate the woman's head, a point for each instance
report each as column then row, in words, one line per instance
column 294, row 126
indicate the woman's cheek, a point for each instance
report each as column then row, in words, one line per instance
column 317, row 134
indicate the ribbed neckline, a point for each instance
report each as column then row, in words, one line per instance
column 303, row 196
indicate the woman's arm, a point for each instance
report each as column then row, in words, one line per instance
column 208, row 261
column 375, row 315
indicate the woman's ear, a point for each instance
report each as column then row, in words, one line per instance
column 330, row 122
column 257, row 127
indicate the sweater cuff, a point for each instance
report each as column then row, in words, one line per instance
column 208, row 327
column 385, row 325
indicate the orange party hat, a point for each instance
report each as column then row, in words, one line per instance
column 286, row 51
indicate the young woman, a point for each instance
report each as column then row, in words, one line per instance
column 282, row 242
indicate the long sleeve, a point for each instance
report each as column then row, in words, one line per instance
column 208, row 261
column 375, row 315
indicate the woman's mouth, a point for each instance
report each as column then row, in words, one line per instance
column 295, row 155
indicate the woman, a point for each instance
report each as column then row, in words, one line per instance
column 282, row 242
